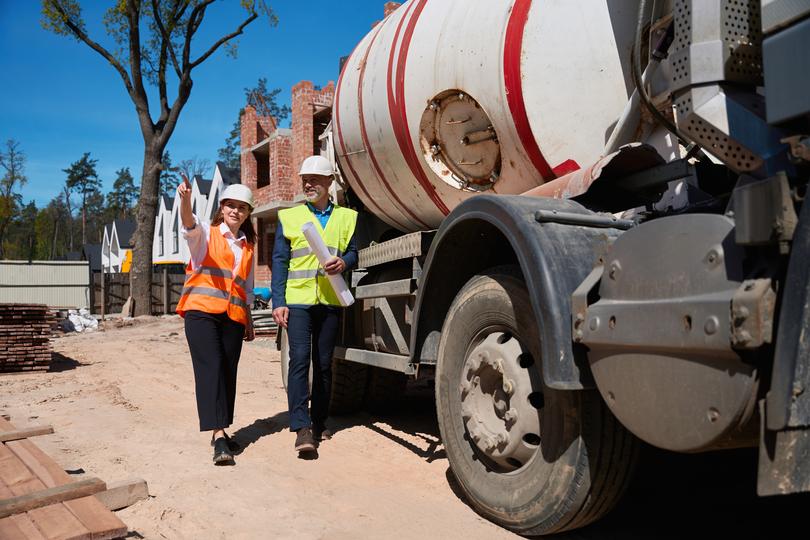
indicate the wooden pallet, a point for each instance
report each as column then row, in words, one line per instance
column 29, row 477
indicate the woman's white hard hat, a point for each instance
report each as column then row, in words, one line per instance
column 238, row 192
column 318, row 165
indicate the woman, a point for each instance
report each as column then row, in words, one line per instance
column 216, row 306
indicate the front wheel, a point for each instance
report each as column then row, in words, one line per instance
column 532, row 459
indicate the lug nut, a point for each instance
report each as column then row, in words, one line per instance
column 510, row 415
column 509, row 387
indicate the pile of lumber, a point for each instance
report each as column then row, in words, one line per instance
column 38, row 499
column 25, row 337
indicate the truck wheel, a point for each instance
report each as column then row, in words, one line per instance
column 385, row 388
column 348, row 387
column 532, row 459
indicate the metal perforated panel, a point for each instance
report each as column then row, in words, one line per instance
column 717, row 42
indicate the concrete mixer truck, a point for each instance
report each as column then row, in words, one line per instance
column 586, row 220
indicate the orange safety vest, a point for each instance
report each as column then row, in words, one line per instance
column 212, row 287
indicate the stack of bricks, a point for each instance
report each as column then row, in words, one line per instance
column 25, row 337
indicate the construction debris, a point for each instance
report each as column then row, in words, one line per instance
column 263, row 323
column 25, row 337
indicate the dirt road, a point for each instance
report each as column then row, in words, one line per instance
column 122, row 404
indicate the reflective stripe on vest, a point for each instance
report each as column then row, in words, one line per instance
column 213, row 287
column 307, row 283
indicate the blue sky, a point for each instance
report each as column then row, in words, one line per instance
column 60, row 99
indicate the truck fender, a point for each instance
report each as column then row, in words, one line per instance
column 494, row 230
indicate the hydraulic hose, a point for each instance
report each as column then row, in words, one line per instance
column 642, row 91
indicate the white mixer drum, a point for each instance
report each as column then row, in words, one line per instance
column 446, row 99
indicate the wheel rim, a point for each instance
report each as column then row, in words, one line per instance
column 499, row 406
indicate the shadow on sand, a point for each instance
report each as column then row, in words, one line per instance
column 60, row 362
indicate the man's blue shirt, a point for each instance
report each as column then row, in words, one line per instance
column 281, row 257
column 322, row 215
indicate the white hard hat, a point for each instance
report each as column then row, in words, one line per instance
column 238, row 192
column 316, row 165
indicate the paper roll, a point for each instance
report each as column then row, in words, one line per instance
column 322, row 253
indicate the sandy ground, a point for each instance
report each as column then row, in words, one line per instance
column 121, row 402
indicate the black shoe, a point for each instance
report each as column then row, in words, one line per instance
column 233, row 446
column 222, row 454
column 304, row 441
column 321, row 432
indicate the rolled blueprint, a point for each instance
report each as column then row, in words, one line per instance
column 322, row 253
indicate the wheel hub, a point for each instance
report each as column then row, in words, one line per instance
column 498, row 404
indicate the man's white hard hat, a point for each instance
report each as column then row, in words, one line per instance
column 238, row 192
column 316, row 165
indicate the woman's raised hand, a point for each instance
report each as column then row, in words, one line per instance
column 184, row 189
column 184, row 192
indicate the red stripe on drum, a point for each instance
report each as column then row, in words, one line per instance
column 397, row 105
column 567, row 166
column 369, row 200
column 402, row 207
column 513, row 47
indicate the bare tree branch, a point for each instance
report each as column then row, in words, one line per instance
column 164, row 100
column 224, row 39
column 194, row 21
column 140, row 98
column 79, row 33
column 167, row 38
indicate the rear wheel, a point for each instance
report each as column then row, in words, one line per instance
column 530, row 458
column 385, row 389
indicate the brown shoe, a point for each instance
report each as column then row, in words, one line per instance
column 304, row 441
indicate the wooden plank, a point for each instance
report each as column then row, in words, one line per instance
column 92, row 514
column 19, row 526
column 15, row 475
column 89, row 510
column 55, row 521
column 25, row 433
column 122, row 494
column 52, row 495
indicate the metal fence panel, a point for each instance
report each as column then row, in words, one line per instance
column 58, row 284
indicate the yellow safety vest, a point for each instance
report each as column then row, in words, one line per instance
column 307, row 283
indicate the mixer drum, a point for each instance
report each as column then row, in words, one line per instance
column 445, row 99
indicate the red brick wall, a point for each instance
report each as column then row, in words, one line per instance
column 284, row 153
column 278, row 154
column 304, row 100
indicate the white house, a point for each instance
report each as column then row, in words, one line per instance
column 116, row 246
column 167, row 245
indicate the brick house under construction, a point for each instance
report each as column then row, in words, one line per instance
column 271, row 157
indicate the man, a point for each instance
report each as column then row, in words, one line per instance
column 303, row 300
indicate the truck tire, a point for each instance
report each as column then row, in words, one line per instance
column 385, row 388
column 532, row 459
column 348, row 381
column 348, row 387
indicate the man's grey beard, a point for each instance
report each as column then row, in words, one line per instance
column 314, row 196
